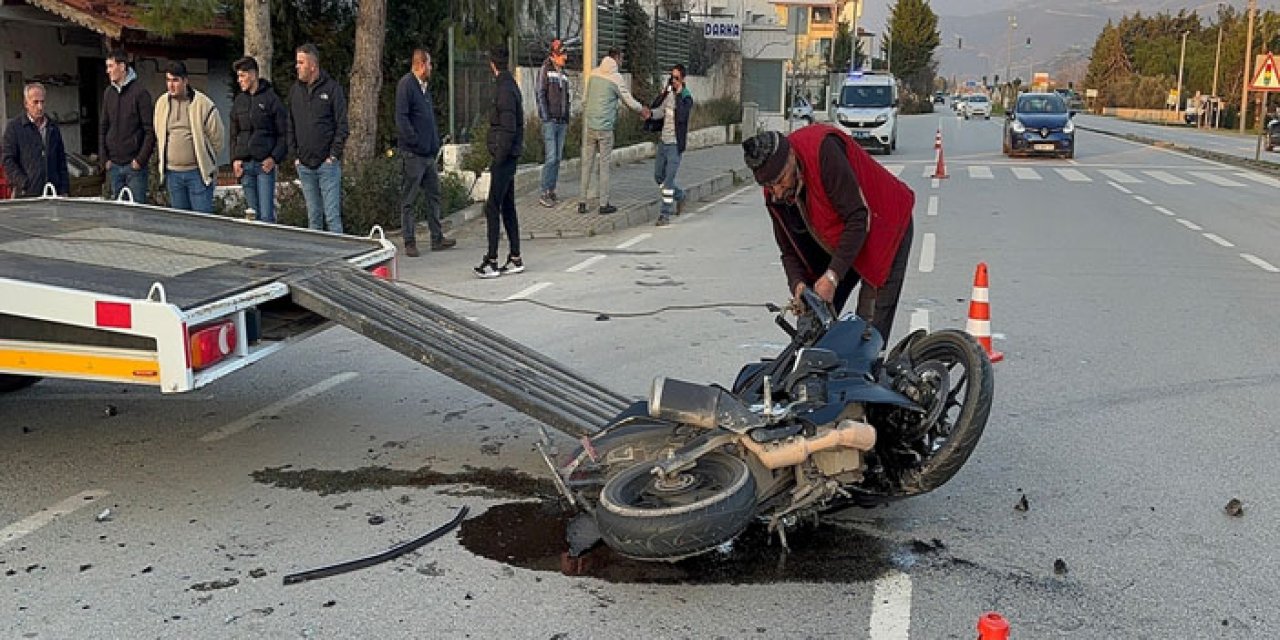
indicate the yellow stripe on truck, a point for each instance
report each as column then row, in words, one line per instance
column 136, row 368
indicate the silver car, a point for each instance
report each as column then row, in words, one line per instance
column 977, row 105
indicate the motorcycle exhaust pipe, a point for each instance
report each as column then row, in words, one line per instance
column 699, row 405
column 849, row 433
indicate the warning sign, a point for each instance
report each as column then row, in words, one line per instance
column 1266, row 78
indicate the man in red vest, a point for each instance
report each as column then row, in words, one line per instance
column 838, row 217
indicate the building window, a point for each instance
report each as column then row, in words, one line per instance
column 821, row 15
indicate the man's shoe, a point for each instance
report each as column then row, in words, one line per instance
column 514, row 265
column 582, row 207
column 546, row 200
column 411, row 249
column 555, row 199
column 680, row 206
column 663, row 221
column 488, row 268
column 607, row 209
column 443, row 243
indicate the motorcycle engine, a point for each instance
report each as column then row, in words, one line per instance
column 842, row 464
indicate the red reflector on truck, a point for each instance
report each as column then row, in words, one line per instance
column 117, row 315
column 211, row 343
column 382, row 272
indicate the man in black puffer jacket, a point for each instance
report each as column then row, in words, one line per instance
column 505, row 143
column 126, row 133
column 259, row 124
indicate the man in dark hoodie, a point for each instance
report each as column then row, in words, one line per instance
column 505, row 143
column 317, row 133
column 126, row 136
column 419, row 142
column 259, row 124
column 552, row 91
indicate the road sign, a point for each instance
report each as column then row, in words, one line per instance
column 1266, row 77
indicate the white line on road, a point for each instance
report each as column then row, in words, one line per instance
column 1073, row 175
column 1165, row 211
column 1223, row 242
column 1259, row 262
column 1216, row 178
column 928, row 171
column 728, row 197
column 933, row 205
column 1143, row 200
column 895, row 169
column 919, row 320
column 262, row 415
column 1261, row 179
column 528, row 291
column 1166, row 177
column 980, row 172
column 33, row 522
column 1119, row 176
column 1190, row 225
column 891, row 607
column 586, row 263
column 1119, row 188
column 926, row 252
column 1025, row 173
column 634, row 241
column 936, row 183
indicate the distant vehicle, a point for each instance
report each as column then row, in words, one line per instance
column 1040, row 123
column 938, row 98
column 868, row 108
column 801, row 110
column 1273, row 132
column 977, row 105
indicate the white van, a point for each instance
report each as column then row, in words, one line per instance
column 867, row 108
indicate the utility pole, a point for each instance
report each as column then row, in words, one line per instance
column 1008, row 61
column 1182, row 57
column 1248, row 58
column 453, row 97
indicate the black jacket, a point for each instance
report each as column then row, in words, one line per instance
column 259, row 125
column 125, row 130
column 416, row 130
column 552, row 91
column 506, row 123
column 317, row 120
column 29, row 162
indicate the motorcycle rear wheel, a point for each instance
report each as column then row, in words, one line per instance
column 967, row 404
column 703, row 508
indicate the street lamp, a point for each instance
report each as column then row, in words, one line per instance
column 1008, row 61
column 1248, row 53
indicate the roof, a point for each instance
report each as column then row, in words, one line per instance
column 111, row 17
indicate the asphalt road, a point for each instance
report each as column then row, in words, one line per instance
column 1227, row 141
column 1132, row 294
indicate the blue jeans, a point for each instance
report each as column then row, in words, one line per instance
column 259, row 189
column 187, row 190
column 665, row 166
column 322, row 189
column 123, row 175
column 553, row 146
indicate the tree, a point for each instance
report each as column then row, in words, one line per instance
column 1109, row 65
column 257, row 34
column 366, row 82
column 913, row 30
column 641, row 54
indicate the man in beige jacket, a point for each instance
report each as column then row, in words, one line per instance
column 189, row 137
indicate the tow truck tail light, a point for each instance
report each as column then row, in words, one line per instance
column 382, row 271
column 209, row 344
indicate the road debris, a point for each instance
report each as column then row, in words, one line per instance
column 1022, row 504
column 1235, row 508
column 1060, row 567
column 389, row 554
column 258, row 573
column 105, row 516
column 213, row 585
column 111, row 410
column 376, row 520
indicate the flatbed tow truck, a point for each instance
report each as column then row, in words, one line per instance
column 119, row 292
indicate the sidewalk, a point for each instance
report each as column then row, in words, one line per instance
column 1227, row 147
column 703, row 173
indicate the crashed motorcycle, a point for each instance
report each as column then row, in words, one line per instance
column 827, row 424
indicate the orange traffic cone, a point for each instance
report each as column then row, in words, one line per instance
column 993, row 626
column 939, row 171
column 979, row 324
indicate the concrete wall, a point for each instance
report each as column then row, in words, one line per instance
column 28, row 51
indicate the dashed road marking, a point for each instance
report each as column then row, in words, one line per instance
column 933, row 205
column 919, row 320
column 263, row 415
column 1119, row 176
column 35, row 521
column 528, row 291
column 586, row 263
column 981, row 172
column 1120, row 188
column 634, row 241
column 1143, row 200
column 1223, row 242
column 1259, row 262
column 936, row 183
column 1164, row 211
column 926, row 252
column 891, row 607
column 1190, row 225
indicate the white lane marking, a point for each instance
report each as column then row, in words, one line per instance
column 891, row 607
column 933, row 205
column 1190, row 225
column 586, row 263
column 634, row 241
column 1261, row 179
column 1143, row 200
column 926, row 252
column 928, row 171
column 1259, row 262
column 264, row 414
column 919, row 320
column 1222, row 242
column 1025, row 173
column 1166, row 177
column 1119, row 176
column 528, row 291
column 1074, row 175
column 980, row 172
column 1216, row 178
column 728, row 197
column 895, row 169
column 33, row 522
column 1165, row 211
column 936, row 183
column 1119, row 188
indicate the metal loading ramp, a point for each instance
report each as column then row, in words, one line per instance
column 456, row 347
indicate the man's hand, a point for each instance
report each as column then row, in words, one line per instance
column 268, row 165
column 237, row 168
column 109, row 165
column 135, row 166
column 825, row 286
column 797, row 303
column 645, row 112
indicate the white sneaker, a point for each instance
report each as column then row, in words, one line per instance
column 488, row 269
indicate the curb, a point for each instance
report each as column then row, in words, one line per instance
column 1262, row 166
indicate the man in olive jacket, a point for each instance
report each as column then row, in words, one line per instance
column 259, row 124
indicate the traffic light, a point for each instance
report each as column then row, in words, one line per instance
column 984, row 81
column 1028, row 42
column 997, row 79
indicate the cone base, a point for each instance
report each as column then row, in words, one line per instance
column 995, row 356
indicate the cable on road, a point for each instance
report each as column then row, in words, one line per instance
column 369, row 561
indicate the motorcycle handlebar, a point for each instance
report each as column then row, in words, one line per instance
column 820, row 308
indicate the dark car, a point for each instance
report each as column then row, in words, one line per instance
column 938, row 98
column 1273, row 131
column 1040, row 123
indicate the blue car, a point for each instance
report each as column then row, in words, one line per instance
column 1040, row 123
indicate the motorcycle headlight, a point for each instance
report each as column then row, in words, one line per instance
column 881, row 119
column 1070, row 128
column 1017, row 127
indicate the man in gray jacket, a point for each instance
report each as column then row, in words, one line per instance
column 605, row 87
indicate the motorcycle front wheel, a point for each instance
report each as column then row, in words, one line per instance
column 647, row 518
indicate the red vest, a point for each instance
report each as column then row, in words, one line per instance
column 889, row 202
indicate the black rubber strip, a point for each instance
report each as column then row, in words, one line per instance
column 363, row 563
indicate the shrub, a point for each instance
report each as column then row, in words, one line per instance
column 454, row 193
column 721, row 111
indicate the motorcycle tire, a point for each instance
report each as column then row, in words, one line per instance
column 639, row 520
column 14, row 383
column 954, row 346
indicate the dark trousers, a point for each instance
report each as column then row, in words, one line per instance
column 502, row 203
column 879, row 305
column 420, row 176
